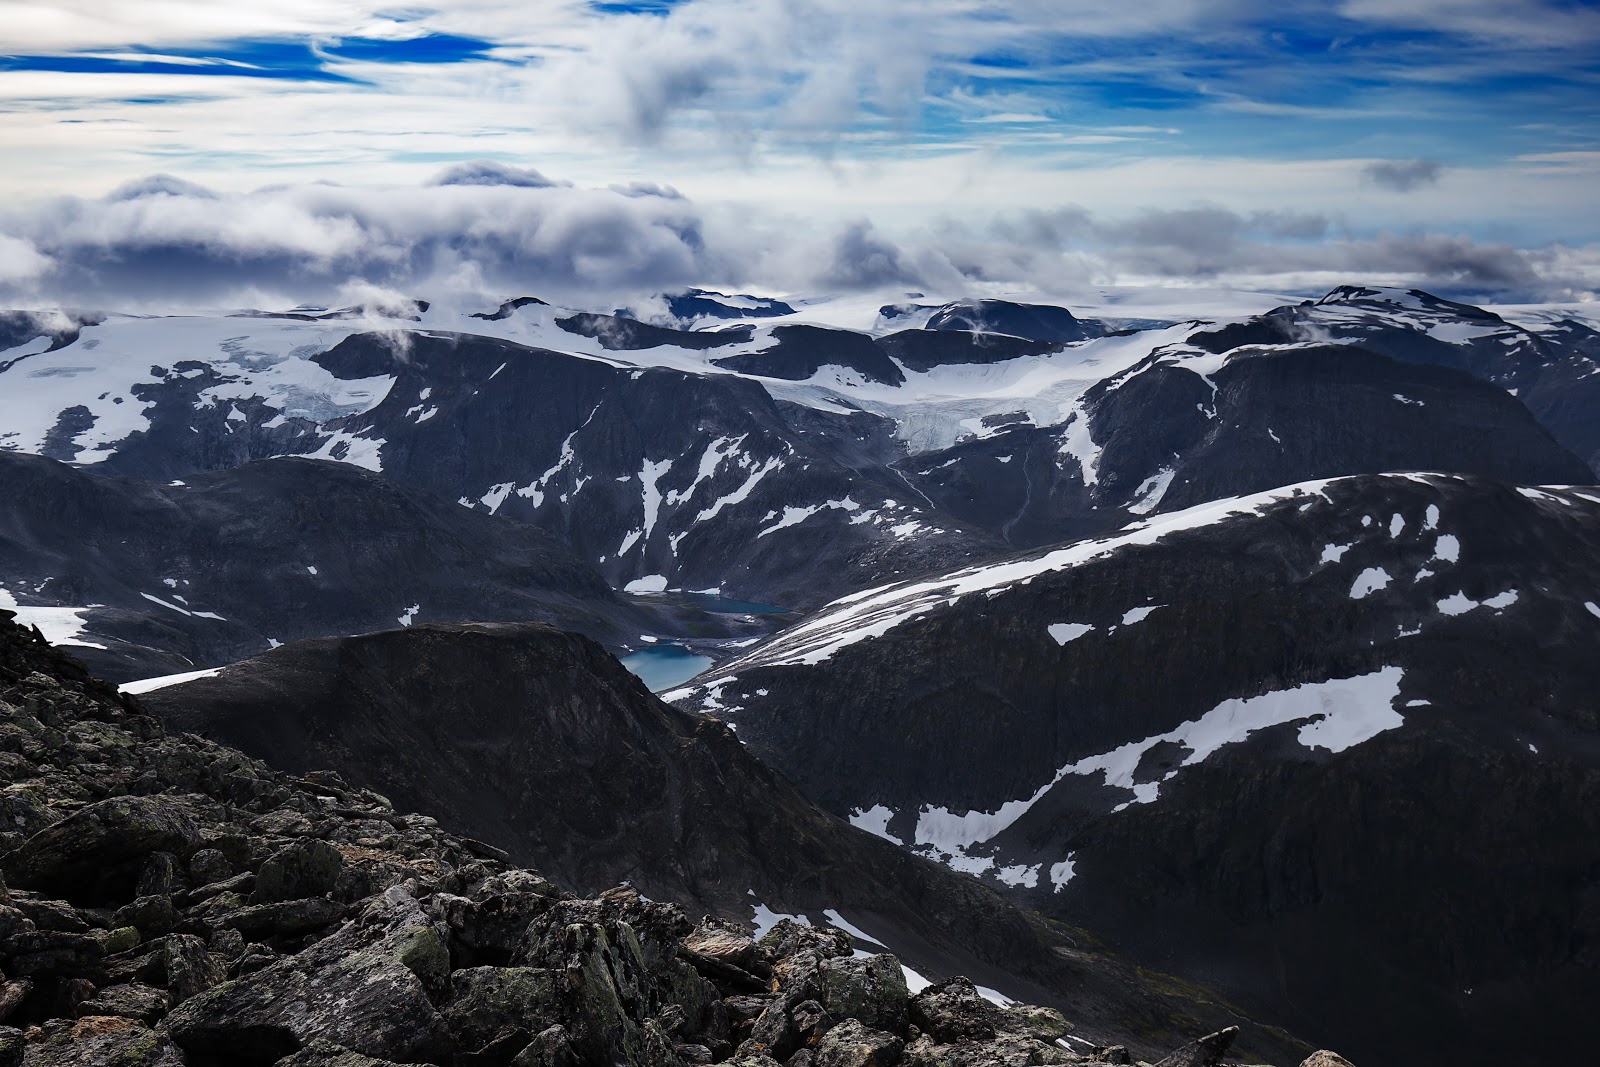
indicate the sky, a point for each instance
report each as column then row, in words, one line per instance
column 223, row 152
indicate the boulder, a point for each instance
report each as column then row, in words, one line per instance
column 362, row 987
column 308, row 868
column 1325, row 1058
column 100, row 1041
column 853, row 1044
column 953, row 1010
column 99, row 851
column 1202, row 1052
column 869, row 988
column 487, row 1002
column 209, row 865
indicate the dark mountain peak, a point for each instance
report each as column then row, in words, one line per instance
column 1037, row 322
column 706, row 303
column 509, row 308
column 56, row 327
column 1395, row 299
column 923, row 350
column 167, row 577
column 620, row 334
column 799, row 351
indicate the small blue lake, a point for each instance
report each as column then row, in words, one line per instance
column 723, row 606
column 664, row 666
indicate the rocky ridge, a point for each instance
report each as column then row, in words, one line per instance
column 170, row 901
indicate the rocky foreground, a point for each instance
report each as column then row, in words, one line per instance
column 168, row 900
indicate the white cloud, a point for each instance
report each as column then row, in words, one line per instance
column 164, row 243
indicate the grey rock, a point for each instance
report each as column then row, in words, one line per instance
column 953, row 1010
column 356, row 987
column 209, row 865
column 853, row 1044
column 308, row 868
column 1206, row 1051
column 79, row 855
column 869, row 988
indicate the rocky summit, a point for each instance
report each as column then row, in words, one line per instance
column 168, row 900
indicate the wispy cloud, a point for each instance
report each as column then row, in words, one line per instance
column 1403, row 175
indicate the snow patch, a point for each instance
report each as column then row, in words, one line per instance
column 150, row 685
column 1342, row 713
column 1368, row 582
column 874, row 820
column 1150, row 491
column 650, row 583
column 60, row 626
column 1068, row 631
column 1061, row 874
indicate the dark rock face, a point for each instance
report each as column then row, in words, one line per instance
column 702, row 303
column 923, row 350
column 1037, row 322
column 17, row 328
column 509, row 308
column 621, row 334
column 207, row 570
column 698, row 481
column 1307, row 740
column 800, row 351
column 1271, row 417
column 1550, row 369
column 1179, row 429
column 426, row 950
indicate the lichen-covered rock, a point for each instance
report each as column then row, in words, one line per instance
column 788, row 937
column 488, row 1002
column 209, row 865
column 320, row 1053
column 353, row 988
column 853, row 1044
column 101, row 849
column 307, row 868
column 1325, row 1058
column 869, row 988
column 953, row 1010
column 132, row 1000
column 99, row 1041
column 12, row 1046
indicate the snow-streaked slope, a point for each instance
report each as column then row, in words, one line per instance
column 874, row 612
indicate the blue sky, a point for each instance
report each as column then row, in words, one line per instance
column 1470, row 120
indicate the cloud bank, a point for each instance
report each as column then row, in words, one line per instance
column 164, row 243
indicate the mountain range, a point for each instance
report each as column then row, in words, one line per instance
column 1252, row 651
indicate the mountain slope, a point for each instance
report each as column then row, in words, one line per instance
column 539, row 742
column 1341, row 734
column 171, row 901
column 162, row 578
column 1552, row 369
column 1184, row 426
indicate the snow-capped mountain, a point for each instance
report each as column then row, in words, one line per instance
column 1341, row 733
column 1551, row 365
column 1170, row 627
column 781, row 459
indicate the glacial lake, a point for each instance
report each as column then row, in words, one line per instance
column 664, row 666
